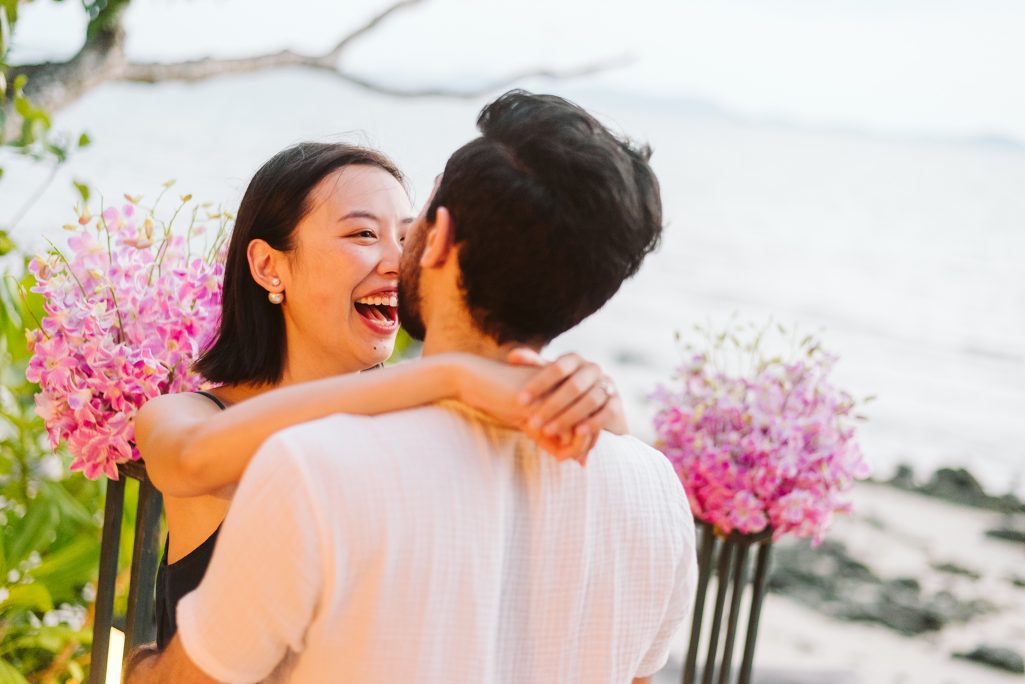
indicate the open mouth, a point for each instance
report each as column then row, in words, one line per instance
column 380, row 310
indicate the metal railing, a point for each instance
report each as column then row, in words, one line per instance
column 729, row 556
column 140, row 621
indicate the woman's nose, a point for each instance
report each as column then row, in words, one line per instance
column 390, row 257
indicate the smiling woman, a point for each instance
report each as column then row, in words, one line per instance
column 310, row 298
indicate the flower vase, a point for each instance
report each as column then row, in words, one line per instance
column 726, row 556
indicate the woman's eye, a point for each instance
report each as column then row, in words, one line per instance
column 369, row 234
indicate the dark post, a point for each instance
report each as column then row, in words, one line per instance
column 140, row 625
column 704, row 561
column 727, row 557
column 109, row 548
column 761, row 575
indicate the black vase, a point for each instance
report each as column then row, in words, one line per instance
column 728, row 557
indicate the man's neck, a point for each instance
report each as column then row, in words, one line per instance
column 443, row 338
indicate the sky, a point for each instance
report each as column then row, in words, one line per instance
column 942, row 68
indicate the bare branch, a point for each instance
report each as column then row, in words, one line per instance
column 202, row 69
column 336, row 53
column 54, row 85
column 498, row 84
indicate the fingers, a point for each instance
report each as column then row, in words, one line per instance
column 586, row 405
column 550, row 377
column 525, row 356
column 566, row 447
column 579, row 388
column 598, row 421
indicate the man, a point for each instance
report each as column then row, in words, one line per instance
column 434, row 545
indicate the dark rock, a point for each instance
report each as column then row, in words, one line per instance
column 1012, row 529
column 904, row 477
column 955, row 569
column 907, row 584
column 1006, row 534
column 1001, row 658
column 631, row 357
column 956, row 485
column 829, row 580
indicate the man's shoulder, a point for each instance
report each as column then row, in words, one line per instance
column 355, row 436
column 639, row 469
column 626, row 451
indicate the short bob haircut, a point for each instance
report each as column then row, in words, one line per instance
column 250, row 345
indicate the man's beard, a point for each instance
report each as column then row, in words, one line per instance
column 409, row 285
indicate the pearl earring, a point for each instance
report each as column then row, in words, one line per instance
column 275, row 281
column 276, row 297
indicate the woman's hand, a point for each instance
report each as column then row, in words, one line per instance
column 571, row 402
column 562, row 405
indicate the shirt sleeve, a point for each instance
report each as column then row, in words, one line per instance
column 260, row 592
column 681, row 601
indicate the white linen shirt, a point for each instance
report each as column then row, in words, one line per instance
column 433, row 545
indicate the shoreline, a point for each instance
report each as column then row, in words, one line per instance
column 911, row 587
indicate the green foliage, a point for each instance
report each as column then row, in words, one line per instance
column 35, row 137
column 405, row 348
column 51, row 520
column 50, row 548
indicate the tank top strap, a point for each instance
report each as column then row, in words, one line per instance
column 212, row 398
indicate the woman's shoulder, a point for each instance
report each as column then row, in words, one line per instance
column 178, row 405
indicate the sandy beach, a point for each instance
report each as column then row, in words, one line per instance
column 904, row 248
column 899, row 536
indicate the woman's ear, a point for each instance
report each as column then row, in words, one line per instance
column 440, row 238
column 267, row 265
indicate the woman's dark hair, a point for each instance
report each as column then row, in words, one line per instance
column 552, row 212
column 250, row 344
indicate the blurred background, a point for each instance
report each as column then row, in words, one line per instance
column 853, row 168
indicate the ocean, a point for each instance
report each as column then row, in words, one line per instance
column 906, row 255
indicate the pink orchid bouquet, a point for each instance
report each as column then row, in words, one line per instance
column 768, row 445
column 127, row 311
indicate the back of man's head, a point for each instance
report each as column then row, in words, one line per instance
column 551, row 213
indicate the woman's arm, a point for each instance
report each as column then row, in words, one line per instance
column 191, row 449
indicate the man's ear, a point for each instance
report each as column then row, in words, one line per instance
column 440, row 238
column 267, row 264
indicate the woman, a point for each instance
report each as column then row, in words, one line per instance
column 310, row 298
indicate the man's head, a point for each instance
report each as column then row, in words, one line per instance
column 533, row 226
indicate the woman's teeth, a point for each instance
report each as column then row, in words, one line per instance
column 391, row 300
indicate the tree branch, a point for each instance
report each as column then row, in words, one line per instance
column 478, row 91
column 53, row 86
column 201, row 69
column 336, row 53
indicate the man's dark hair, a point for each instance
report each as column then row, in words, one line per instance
column 250, row 345
column 551, row 213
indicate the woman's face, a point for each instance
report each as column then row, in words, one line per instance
column 341, row 281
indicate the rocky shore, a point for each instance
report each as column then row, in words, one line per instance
column 924, row 582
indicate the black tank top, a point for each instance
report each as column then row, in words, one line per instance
column 176, row 579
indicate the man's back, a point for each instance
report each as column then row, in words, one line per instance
column 433, row 545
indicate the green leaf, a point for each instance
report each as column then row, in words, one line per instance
column 83, row 190
column 68, row 569
column 23, row 106
column 84, row 140
column 32, row 596
column 57, row 151
column 34, row 532
column 8, row 675
column 6, row 243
